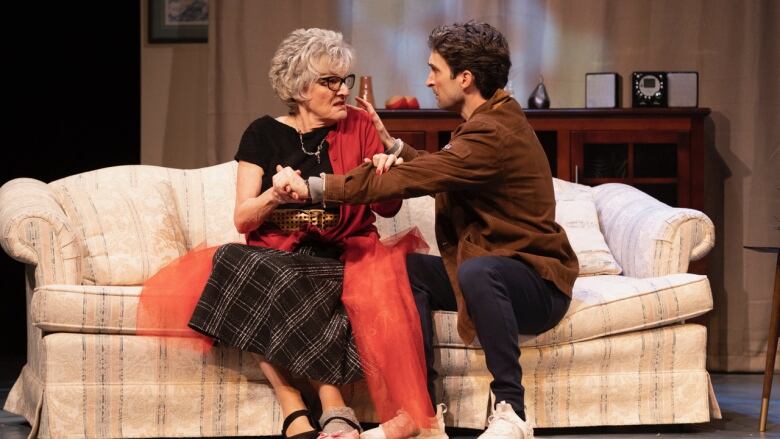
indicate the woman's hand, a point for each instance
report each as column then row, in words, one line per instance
column 252, row 206
column 384, row 136
column 289, row 187
column 383, row 162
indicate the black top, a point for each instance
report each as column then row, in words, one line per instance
column 268, row 142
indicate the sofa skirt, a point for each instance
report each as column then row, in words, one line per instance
column 102, row 386
column 656, row 376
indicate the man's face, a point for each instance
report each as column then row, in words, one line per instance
column 448, row 92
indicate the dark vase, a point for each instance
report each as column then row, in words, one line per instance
column 539, row 97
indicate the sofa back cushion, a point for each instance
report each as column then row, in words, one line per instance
column 126, row 235
column 575, row 211
column 415, row 212
column 204, row 197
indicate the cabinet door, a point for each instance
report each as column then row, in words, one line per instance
column 423, row 129
column 413, row 138
column 656, row 162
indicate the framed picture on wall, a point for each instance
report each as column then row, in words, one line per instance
column 178, row 21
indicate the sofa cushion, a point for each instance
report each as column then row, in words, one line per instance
column 602, row 305
column 108, row 309
column 125, row 235
column 575, row 211
column 606, row 305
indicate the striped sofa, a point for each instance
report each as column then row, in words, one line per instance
column 622, row 355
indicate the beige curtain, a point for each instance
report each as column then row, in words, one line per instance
column 731, row 43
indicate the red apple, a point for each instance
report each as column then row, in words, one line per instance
column 411, row 102
column 396, row 103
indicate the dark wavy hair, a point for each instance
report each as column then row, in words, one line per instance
column 476, row 47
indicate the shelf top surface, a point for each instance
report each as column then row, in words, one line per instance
column 560, row 112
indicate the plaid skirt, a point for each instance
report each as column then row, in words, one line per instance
column 284, row 306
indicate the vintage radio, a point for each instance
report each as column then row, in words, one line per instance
column 665, row 89
column 649, row 89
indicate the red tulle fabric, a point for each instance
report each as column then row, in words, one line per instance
column 169, row 297
column 386, row 324
column 376, row 295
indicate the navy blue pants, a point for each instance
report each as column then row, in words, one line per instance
column 505, row 297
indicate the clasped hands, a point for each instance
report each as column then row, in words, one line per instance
column 290, row 187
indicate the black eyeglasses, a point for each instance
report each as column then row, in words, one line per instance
column 334, row 82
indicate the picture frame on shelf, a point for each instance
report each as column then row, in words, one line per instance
column 178, row 21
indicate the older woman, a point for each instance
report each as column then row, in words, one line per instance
column 280, row 295
column 283, row 295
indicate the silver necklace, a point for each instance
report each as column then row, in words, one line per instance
column 315, row 153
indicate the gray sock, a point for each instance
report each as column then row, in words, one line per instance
column 335, row 425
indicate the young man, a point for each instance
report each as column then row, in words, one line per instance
column 505, row 265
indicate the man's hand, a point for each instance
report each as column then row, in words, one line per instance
column 383, row 162
column 289, row 187
column 384, row 136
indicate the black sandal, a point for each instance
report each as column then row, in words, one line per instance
column 306, row 434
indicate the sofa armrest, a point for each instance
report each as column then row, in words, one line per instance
column 647, row 237
column 35, row 230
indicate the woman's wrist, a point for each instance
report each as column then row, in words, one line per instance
column 273, row 199
column 388, row 142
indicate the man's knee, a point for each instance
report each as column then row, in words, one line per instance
column 475, row 274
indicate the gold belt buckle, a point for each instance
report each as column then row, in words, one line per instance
column 316, row 217
column 294, row 219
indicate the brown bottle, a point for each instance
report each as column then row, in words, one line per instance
column 366, row 90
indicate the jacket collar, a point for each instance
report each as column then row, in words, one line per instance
column 500, row 97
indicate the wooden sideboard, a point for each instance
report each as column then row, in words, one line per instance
column 659, row 151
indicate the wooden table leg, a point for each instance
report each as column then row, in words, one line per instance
column 771, row 350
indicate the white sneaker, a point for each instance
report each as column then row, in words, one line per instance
column 437, row 425
column 505, row 424
column 402, row 426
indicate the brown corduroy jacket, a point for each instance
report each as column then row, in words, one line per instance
column 494, row 196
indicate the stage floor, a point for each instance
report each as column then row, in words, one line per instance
column 739, row 396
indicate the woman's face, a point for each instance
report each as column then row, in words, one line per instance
column 324, row 104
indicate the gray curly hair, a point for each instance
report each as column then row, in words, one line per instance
column 295, row 64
